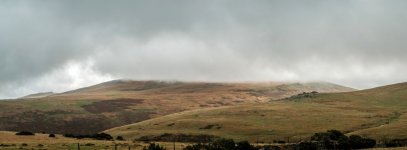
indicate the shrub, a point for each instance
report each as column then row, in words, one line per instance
column 226, row 144
column 357, row 142
column 307, row 145
column 51, row 135
column 269, row 147
column 223, row 144
column 198, row 146
column 396, row 143
column 330, row 135
column 279, row 141
column 102, row 136
column 167, row 137
column 24, row 133
column 119, row 138
column 97, row 136
column 335, row 139
column 343, row 143
column 154, row 146
column 244, row 145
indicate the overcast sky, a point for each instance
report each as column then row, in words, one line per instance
column 55, row 45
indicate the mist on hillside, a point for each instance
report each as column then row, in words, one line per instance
column 64, row 45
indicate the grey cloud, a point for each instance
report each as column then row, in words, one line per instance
column 356, row 43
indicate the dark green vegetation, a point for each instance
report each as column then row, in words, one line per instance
column 166, row 137
column 154, row 146
column 379, row 113
column 24, row 133
column 97, row 136
column 111, row 104
column 334, row 139
column 119, row 138
column 395, row 143
column 222, row 144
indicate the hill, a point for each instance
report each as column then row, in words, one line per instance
column 120, row 102
column 378, row 113
column 38, row 95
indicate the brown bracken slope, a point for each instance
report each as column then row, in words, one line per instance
column 120, row 102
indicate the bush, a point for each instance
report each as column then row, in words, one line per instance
column 330, row 135
column 24, row 133
column 167, row 137
column 97, row 136
column 102, row 136
column 307, row 146
column 154, row 146
column 119, row 138
column 279, row 141
column 198, row 146
column 51, row 135
column 223, row 144
column 226, row 144
column 357, row 142
column 343, row 143
column 396, row 143
column 244, row 145
column 269, row 147
column 335, row 139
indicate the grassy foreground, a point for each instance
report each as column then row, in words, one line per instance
column 10, row 141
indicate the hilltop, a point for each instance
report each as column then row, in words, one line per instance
column 120, row 102
column 378, row 113
column 38, row 95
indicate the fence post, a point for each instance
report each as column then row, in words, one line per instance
column 174, row 143
column 79, row 148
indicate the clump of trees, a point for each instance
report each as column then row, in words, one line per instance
column 24, row 133
column 97, row 136
column 334, row 139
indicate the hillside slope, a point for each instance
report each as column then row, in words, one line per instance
column 115, row 103
column 377, row 113
column 38, row 95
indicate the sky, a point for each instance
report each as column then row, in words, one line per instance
column 56, row 45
